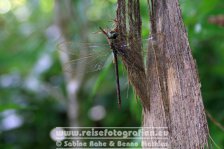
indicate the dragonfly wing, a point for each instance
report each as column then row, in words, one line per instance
column 74, row 48
column 90, row 63
column 85, row 57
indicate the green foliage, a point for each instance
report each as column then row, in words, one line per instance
column 35, row 94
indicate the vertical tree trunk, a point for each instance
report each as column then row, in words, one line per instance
column 170, row 84
column 175, row 95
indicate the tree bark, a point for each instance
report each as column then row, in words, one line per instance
column 175, row 95
column 171, row 83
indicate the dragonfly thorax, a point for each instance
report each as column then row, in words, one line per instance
column 112, row 35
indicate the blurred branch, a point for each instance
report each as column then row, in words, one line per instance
column 217, row 20
column 215, row 121
column 56, row 93
column 64, row 19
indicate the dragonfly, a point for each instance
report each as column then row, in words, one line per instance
column 97, row 55
column 111, row 37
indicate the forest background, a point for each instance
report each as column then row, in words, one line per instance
column 33, row 95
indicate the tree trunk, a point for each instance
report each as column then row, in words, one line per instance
column 171, row 84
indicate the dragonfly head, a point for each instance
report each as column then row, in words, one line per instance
column 112, row 34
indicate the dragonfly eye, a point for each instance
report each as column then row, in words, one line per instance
column 112, row 35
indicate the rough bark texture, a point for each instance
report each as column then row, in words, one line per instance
column 171, row 84
column 132, row 35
